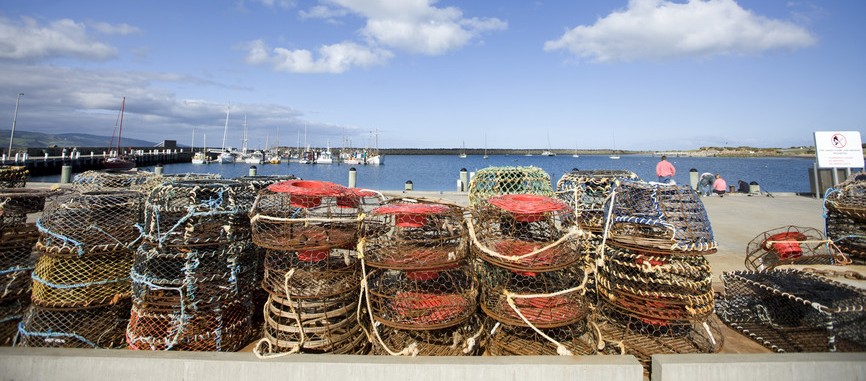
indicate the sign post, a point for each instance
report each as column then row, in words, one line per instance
column 837, row 149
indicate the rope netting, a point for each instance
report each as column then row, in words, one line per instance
column 659, row 218
column 525, row 233
column 791, row 245
column 586, row 193
column 17, row 260
column 219, row 327
column 794, row 311
column 845, row 216
column 315, row 273
column 464, row 339
column 422, row 299
column 13, row 176
column 92, row 181
column 509, row 340
column 17, row 203
column 849, row 197
column 11, row 313
column 97, row 222
column 496, row 181
column 152, row 182
column 93, row 327
column 77, row 282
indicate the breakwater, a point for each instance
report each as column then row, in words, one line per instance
column 50, row 161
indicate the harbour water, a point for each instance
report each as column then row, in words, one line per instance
column 441, row 172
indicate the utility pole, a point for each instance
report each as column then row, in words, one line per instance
column 14, row 119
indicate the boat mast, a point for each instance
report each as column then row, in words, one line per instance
column 225, row 129
column 120, row 129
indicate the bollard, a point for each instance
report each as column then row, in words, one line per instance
column 253, row 170
column 353, row 177
column 693, row 178
column 459, row 185
column 158, row 169
column 65, row 174
column 754, row 188
column 464, row 180
column 408, row 187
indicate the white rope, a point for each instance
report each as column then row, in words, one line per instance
column 574, row 231
column 297, row 316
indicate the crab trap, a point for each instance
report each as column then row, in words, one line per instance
column 17, row 203
column 13, row 176
column 464, row 339
column 91, row 327
column 93, row 181
column 573, row 339
column 222, row 327
column 794, row 311
column 586, row 192
column 845, row 211
column 497, row 181
column 791, row 245
column 659, row 218
column 310, row 273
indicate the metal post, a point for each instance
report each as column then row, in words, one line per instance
column 815, row 177
column 65, row 174
column 14, row 120
column 158, row 169
column 408, row 187
column 464, row 180
column 253, row 170
column 353, row 177
column 693, row 178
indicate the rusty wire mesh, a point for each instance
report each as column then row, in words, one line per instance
column 509, row 340
column 77, row 282
column 99, row 181
column 496, row 181
column 791, row 245
column 422, row 299
column 525, row 232
column 408, row 235
column 541, row 299
column 91, row 223
column 586, row 193
column 320, row 325
column 13, row 176
column 93, row 327
column 464, row 339
column 660, row 218
column 849, row 197
column 848, row 233
column 17, row 203
column 793, row 311
column 656, row 289
column 311, row 273
column 220, row 327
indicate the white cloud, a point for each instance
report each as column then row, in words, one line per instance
column 27, row 40
column 661, row 29
column 121, row 29
column 335, row 58
column 285, row 4
column 322, row 12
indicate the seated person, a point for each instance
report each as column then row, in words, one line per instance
column 720, row 186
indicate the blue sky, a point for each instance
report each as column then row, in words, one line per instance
column 641, row 74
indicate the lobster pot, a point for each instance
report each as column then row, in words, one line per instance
column 198, row 212
column 660, row 218
column 257, row 183
column 586, row 193
column 17, row 203
column 542, row 299
column 656, row 289
column 510, row 340
column 17, row 260
column 92, row 327
column 78, row 282
column 151, row 182
column 525, row 233
column 464, row 339
column 11, row 313
column 497, row 181
column 102, row 181
column 794, row 311
column 221, row 327
column 192, row 278
column 321, row 325
column 311, row 273
column 414, row 236
column 848, row 233
column 624, row 334
column 849, row 197
column 13, row 176
column 790, row 245
column 91, row 223
column 422, row 299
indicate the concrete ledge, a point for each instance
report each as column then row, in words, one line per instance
column 760, row 367
column 98, row 364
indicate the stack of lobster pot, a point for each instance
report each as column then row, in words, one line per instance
column 846, row 217
column 532, row 274
column 421, row 291
column 496, row 181
column 312, row 274
column 654, row 283
column 17, row 238
column 192, row 275
column 81, row 287
column 13, row 176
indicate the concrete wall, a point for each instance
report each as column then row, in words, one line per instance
column 760, row 367
column 93, row 364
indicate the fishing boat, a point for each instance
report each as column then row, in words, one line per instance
column 255, row 157
column 117, row 160
column 326, row 156
column 373, row 156
column 201, row 156
column 462, row 154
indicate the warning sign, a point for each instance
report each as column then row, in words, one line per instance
column 839, row 149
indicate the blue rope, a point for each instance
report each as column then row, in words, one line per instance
column 50, row 334
column 78, row 245
column 15, row 269
column 76, row 285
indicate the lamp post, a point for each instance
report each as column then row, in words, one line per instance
column 14, row 119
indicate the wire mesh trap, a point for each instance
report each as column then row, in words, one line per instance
column 509, row 340
column 94, row 327
column 98, row 222
column 17, row 203
column 321, row 325
column 464, row 339
column 81, row 281
column 794, row 311
column 496, row 181
column 11, row 313
column 656, row 289
column 16, row 260
column 101, row 181
column 221, row 327
column 791, row 245
column 586, row 193
column 848, row 197
column 660, row 218
column 540, row 299
column 311, row 273
column 422, row 299
column 525, row 233
column 848, row 233
column 414, row 236
column 13, row 176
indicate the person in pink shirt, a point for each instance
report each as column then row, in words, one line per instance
column 665, row 170
column 720, row 186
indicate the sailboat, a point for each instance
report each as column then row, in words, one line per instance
column 485, row 147
column 118, row 160
column 575, row 153
column 462, row 154
column 201, row 156
column 549, row 151
column 374, row 157
column 614, row 156
column 225, row 157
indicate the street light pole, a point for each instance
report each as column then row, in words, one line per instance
column 14, row 119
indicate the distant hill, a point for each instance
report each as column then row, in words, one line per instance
column 42, row 140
